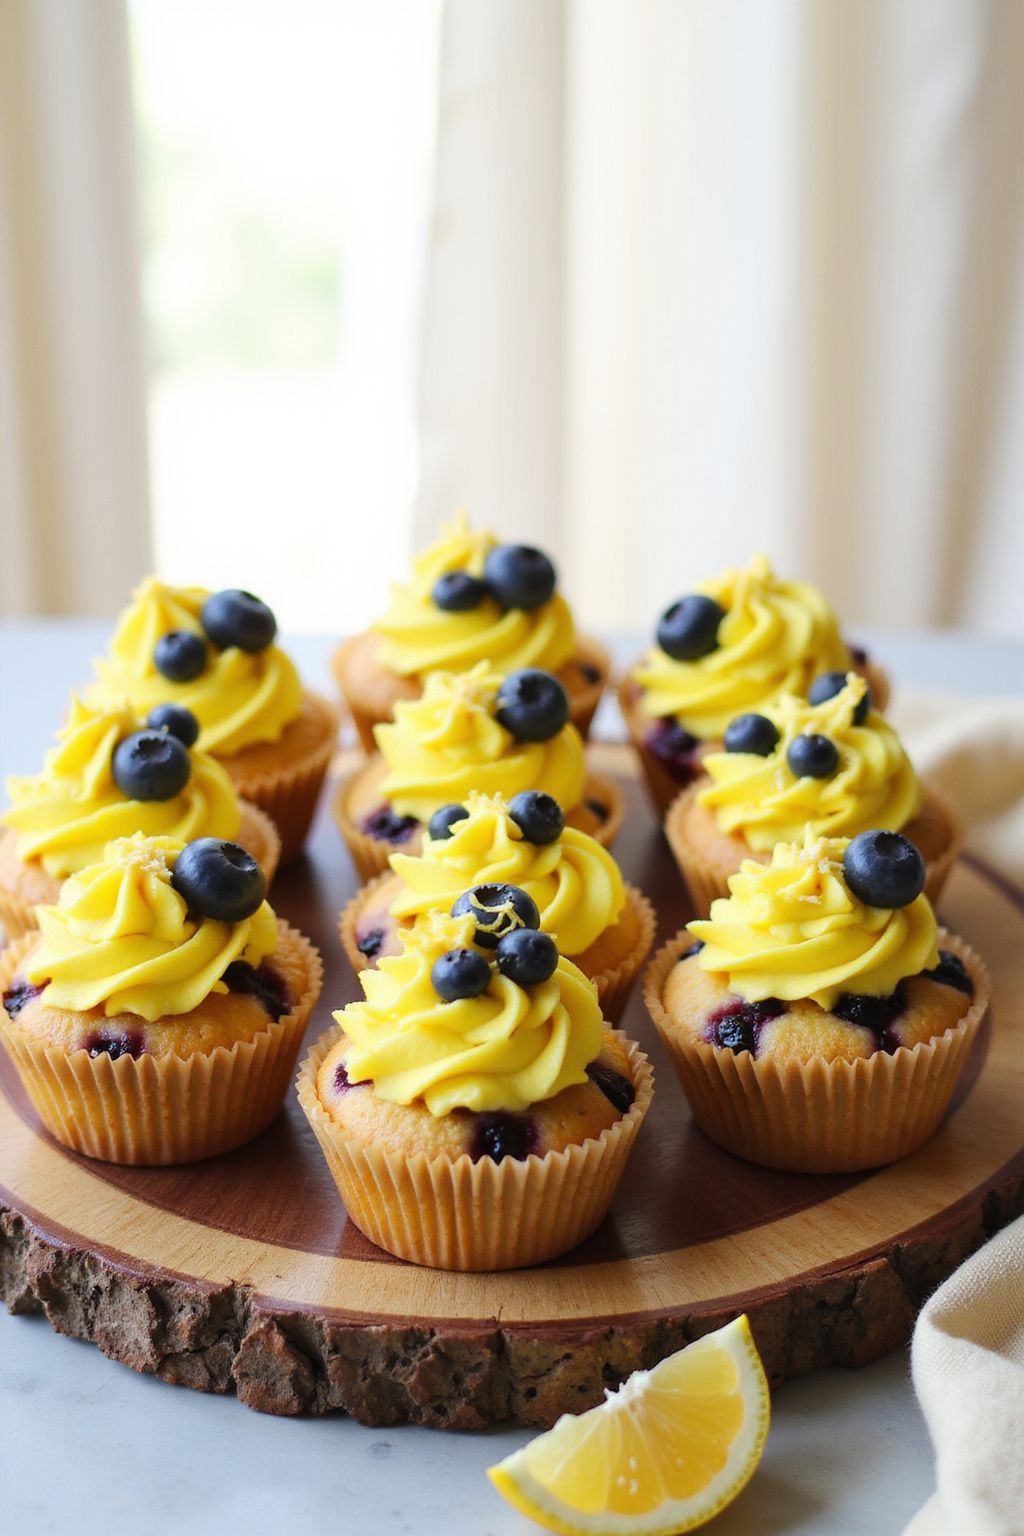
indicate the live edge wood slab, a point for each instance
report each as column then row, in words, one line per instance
column 242, row 1274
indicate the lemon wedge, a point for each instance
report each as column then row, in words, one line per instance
column 663, row 1454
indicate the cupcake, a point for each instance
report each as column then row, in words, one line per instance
column 603, row 925
column 470, row 599
column 819, row 1019
column 729, row 648
column 830, row 764
column 107, row 777
column 474, row 1109
column 214, row 654
column 156, row 1015
column 470, row 731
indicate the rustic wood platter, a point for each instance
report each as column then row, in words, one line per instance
column 242, row 1274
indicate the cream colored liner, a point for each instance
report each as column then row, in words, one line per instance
column 288, row 794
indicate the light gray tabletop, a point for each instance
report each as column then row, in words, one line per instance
column 84, row 1442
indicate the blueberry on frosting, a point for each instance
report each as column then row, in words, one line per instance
column 532, row 705
column 219, row 880
column 497, row 909
column 151, row 765
column 176, row 720
column 460, row 973
column 236, row 618
column 751, row 733
column 538, row 816
column 827, row 684
column 812, row 757
column 527, row 957
column 180, row 655
column 519, row 576
column 458, row 592
column 688, row 629
column 884, row 869
column 440, row 824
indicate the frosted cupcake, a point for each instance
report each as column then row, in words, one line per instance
column 832, row 766
column 474, row 1110
column 108, row 777
column 602, row 924
column 156, row 1015
column 819, row 1019
column 469, row 599
column 729, row 648
column 470, row 731
column 214, row 653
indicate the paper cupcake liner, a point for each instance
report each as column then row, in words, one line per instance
column 162, row 1109
column 17, row 917
column 288, row 794
column 662, row 786
column 819, row 1116
column 452, row 1213
column 348, row 918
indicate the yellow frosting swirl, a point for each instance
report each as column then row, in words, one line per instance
column 775, row 638
column 447, row 743
column 239, row 699
column 574, row 881
column 763, row 801
column 792, row 929
column 508, row 1049
column 122, row 938
column 416, row 636
column 66, row 815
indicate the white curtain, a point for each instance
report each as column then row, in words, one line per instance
column 711, row 276
column 74, row 512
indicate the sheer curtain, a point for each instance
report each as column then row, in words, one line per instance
column 710, row 276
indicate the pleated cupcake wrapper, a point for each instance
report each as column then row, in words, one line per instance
column 819, row 1116
column 453, row 1213
column 161, row 1109
column 17, row 916
column 288, row 795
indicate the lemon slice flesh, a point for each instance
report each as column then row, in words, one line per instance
column 661, row 1455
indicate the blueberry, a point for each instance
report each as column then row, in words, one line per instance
column 884, row 869
column 458, row 592
column 176, row 720
column 219, row 880
column 874, row 1013
column 151, row 765
column 952, row 972
column 519, row 576
column 179, row 655
column 527, row 957
column 675, row 749
column 751, row 733
column 497, row 910
column 736, row 1025
column 532, row 705
column 128, row 1043
column 812, row 757
column 688, row 629
column 501, row 1135
column 460, row 973
column 441, row 823
column 369, row 943
column 265, row 984
column 19, row 994
column 386, row 826
column 538, row 816
column 827, row 684
column 237, row 618
column 618, row 1090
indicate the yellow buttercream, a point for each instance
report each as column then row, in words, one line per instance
column 792, row 929
column 761, row 800
column 508, row 1049
column 66, row 815
column 122, row 938
column 239, row 699
column 575, row 882
column 775, row 638
column 447, row 743
column 417, row 637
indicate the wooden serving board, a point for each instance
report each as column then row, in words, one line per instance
column 242, row 1274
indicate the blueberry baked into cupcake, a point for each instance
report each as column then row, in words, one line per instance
column 108, row 776
column 470, row 731
column 598, row 921
column 729, row 648
column 469, row 599
column 156, row 1015
column 214, row 653
column 819, row 1019
column 474, row 1109
column 830, row 764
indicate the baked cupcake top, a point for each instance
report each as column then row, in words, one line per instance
column 575, row 883
column 107, row 778
column 471, row 599
column 834, row 768
column 211, row 652
column 478, row 731
column 129, row 934
column 737, row 643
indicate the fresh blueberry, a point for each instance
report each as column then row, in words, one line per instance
column 501, row 1135
column 952, row 972
column 177, row 721
column 884, row 869
column 618, row 1090
column 151, row 765
column 458, row 592
column 179, row 655
column 527, row 957
column 386, row 826
column 538, row 816
column 219, row 880
column 827, row 684
column 812, row 757
column 497, row 910
column 688, row 629
column 237, row 618
column 751, row 733
column 440, row 824
column 519, row 576
column 532, row 705
column 460, row 973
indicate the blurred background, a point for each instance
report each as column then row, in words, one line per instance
column 653, row 283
